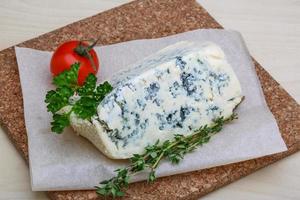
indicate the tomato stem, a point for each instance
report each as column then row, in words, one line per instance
column 92, row 45
column 84, row 51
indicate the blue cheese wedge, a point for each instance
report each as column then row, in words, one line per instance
column 174, row 91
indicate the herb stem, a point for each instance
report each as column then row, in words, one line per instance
column 172, row 150
column 157, row 161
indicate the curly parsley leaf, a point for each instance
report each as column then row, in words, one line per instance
column 85, row 106
column 68, row 78
column 60, row 122
column 102, row 90
column 57, row 99
column 91, row 96
column 89, row 86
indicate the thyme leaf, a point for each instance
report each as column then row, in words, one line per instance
column 171, row 150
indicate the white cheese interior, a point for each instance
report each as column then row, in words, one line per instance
column 174, row 91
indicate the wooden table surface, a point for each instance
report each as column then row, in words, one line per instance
column 271, row 29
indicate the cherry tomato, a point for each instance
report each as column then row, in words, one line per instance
column 65, row 55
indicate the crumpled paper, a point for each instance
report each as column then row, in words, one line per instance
column 68, row 161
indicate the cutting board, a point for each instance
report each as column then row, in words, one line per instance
column 139, row 20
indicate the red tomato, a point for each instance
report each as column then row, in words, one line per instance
column 65, row 55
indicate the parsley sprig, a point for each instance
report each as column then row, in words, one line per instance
column 88, row 97
column 171, row 150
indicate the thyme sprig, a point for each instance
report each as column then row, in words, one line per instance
column 171, row 150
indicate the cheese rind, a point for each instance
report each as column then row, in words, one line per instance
column 174, row 91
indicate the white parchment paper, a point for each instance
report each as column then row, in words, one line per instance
column 68, row 161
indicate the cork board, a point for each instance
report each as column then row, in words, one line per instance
column 137, row 20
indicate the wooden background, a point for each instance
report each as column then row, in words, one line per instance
column 271, row 29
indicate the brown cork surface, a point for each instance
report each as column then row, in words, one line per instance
column 136, row 20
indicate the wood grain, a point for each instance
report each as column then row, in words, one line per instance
column 21, row 20
column 264, row 193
